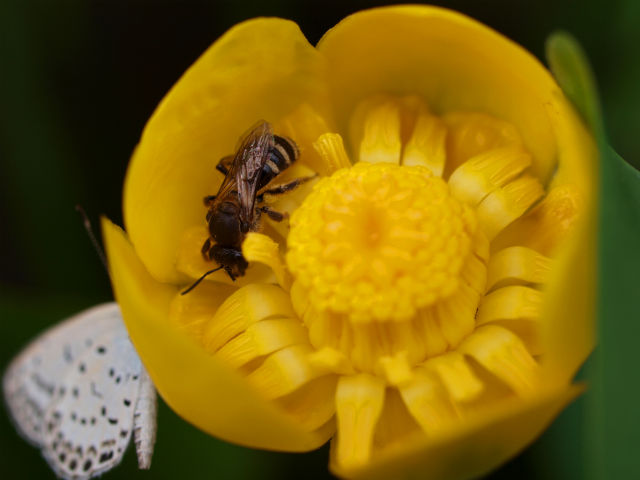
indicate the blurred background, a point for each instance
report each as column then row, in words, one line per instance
column 78, row 80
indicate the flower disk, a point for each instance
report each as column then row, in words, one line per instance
column 378, row 242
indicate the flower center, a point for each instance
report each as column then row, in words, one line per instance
column 378, row 242
column 376, row 251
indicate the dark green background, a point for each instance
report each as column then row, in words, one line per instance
column 78, row 79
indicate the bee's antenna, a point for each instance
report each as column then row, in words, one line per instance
column 92, row 237
column 195, row 284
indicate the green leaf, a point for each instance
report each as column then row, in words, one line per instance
column 616, row 385
column 612, row 415
column 569, row 65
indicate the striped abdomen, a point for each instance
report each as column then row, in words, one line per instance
column 283, row 153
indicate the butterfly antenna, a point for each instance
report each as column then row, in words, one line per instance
column 92, row 237
column 195, row 284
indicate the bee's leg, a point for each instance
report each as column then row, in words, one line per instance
column 286, row 187
column 208, row 200
column 228, row 270
column 273, row 215
column 224, row 165
column 206, row 249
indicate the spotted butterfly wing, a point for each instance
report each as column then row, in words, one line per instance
column 80, row 392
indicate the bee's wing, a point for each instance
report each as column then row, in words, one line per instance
column 254, row 152
column 79, row 391
column 256, row 140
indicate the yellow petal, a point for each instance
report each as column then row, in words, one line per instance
column 505, row 204
column 482, row 174
column 396, row 368
column 247, row 306
column 469, row 450
column 456, row 375
column 564, row 225
column 305, row 124
column 359, row 402
column 313, row 405
column 194, row 310
column 396, row 426
column 453, row 62
column 428, row 402
column 284, row 371
column 262, row 249
column 260, row 69
column 548, row 224
column 261, row 339
column 197, row 386
column 427, row 144
column 517, row 265
column 518, row 309
column 331, row 148
column 509, row 303
column 473, row 133
column 376, row 130
column 503, row 354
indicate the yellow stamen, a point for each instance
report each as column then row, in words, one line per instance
column 456, row 315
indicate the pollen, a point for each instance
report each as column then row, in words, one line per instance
column 379, row 242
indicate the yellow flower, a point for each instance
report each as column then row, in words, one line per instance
column 431, row 297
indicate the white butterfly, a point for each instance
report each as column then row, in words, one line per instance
column 79, row 392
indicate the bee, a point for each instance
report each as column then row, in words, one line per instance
column 236, row 209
